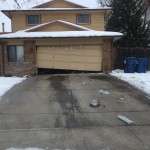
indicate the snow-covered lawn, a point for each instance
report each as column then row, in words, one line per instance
column 139, row 80
column 24, row 149
column 6, row 83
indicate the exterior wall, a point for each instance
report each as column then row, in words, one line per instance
column 106, row 44
column 97, row 19
column 28, row 66
column 66, row 41
column 57, row 27
column 58, row 4
column 108, row 55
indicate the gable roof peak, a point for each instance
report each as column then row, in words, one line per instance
column 59, row 21
column 68, row 1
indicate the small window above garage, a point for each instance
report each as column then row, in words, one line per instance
column 33, row 19
column 83, row 19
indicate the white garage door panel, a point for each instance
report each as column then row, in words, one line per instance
column 71, row 57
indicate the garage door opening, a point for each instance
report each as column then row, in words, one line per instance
column 69, row 57
column 43, row 71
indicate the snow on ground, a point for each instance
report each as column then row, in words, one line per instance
column 139, row 80
column 6, row 83
column 24, row 149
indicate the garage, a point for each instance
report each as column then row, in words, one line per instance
column 69, row 51
column 70, row 57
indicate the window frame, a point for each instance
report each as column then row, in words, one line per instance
column 27, row 21
column 77, row 20
column 16, row 57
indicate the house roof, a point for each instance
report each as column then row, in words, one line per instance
column 62, row 34
column 86, row 3
column 69, row 1
column 82, row 3
column 56, row 9
column 37, row 10
column 59, row 21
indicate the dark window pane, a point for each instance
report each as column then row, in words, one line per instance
column 83, row 18
column 12, row 55
column 33, row 19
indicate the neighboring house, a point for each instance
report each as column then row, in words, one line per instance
column 58, row 34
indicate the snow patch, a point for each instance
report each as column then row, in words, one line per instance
column 86, row 3
column 22, row 34
column 24, row 149
column 139, row 80
column 6, row 83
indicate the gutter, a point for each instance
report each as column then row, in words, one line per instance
column 118, row 37
column 8, row 12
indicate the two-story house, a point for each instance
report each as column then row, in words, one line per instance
column 58, row 34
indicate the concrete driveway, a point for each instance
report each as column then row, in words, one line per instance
column 53, row 113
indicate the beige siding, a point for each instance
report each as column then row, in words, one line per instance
column 97, row 19
column 81, row 57
column 71, row 41
column 57, row 27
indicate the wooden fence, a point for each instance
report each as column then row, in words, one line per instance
column 123, row 53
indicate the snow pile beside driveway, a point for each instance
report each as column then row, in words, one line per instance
column 25, row 149
column 6, row 83
column 139, row 80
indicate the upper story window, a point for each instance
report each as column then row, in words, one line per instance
column 33, row 19
column 83, row 19
column 15, row 53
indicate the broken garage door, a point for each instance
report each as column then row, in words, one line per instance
column 70, row 57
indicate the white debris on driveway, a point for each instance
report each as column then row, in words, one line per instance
column 95, row 103
column 139, row 80
column 104, row 92
column 6, row 83
column 125, row 119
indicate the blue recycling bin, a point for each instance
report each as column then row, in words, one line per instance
column 130, row 65
column 142, row 66
column 147, row 63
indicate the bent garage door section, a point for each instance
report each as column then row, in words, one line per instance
column 71, row 57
